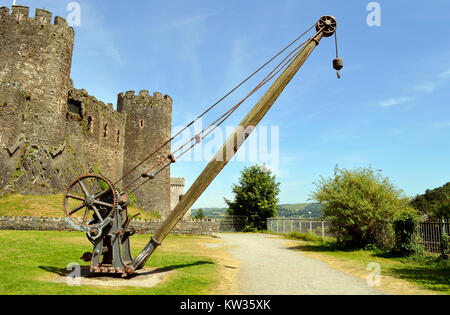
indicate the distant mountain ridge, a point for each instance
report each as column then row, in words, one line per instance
column 285, row 210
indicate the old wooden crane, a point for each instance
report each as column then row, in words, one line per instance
column 95, row 205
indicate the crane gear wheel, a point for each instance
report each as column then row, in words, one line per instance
column 94, row 194
column 327, row 24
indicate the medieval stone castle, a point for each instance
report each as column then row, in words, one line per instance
column 51, row 132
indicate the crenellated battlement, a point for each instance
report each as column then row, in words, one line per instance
column 144, row 98
column 43, row 19
column 85, row 100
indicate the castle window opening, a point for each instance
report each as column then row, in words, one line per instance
column 141, row 124
column 74, row 106
column 90, row 124
column 106, row 129
column 118, row 137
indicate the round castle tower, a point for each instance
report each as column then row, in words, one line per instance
column 148, row 126
column 35, row 62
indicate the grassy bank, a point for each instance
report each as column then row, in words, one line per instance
column 45, row 206
column 30, row 261
column 415, row 275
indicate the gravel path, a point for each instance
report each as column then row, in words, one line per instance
column 268, row 267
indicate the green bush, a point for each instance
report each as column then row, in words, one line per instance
column 444, row 212
column 250, row 228
column 445, row 245
column 407, row 241
column 304, row 236
column 360, row 205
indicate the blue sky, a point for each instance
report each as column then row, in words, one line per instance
column 389, row 111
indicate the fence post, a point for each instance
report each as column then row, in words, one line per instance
column 323, row 230
column 284, row 226
column 310, row 227
column 300, row 224
column 278, row 225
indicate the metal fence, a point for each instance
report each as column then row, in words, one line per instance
column 232, row 223
column 430, row 234
column 288, row 225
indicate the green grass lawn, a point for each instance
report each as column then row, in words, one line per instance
column 46, row 206
column 30, row 260
column 427, row 272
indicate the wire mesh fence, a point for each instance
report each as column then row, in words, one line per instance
column 430, row 232
column 232, row 223
column 289, row 225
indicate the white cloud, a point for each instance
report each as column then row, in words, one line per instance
column 426, row 86
column 432, row 85
column 395, row 101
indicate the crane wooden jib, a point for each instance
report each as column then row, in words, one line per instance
column 110, row 229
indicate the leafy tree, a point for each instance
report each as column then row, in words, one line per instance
column 199, row 215
column 431, row 202
column 255, row 197
column 360, row 205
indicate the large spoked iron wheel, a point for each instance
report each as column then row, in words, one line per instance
column 89, row 200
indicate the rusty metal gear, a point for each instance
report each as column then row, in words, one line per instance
column 327, row 24
column 100, row 198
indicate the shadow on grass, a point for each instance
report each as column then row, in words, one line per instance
column 173, row 267
column 85, row 270
column 59, row 271
column 433, row 277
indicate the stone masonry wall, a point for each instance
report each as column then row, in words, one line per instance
column 206, row 227
column 36, row 55
column 148, row 126
column 95, row 134
column 35, row 61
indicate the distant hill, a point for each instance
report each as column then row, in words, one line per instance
column 301, row 210
column 213, row 213
column 286, row 210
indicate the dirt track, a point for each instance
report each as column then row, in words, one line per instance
column 269, row 267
